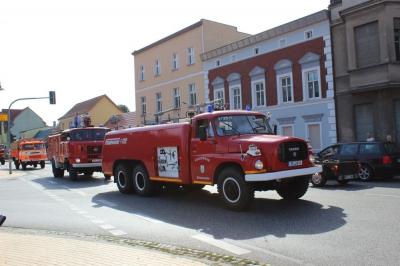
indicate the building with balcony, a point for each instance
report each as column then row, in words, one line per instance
column 285, row 71
column 365, row 39
column 169, row 74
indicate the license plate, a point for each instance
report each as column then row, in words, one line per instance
column 295, row 163
column 96, row 160
column 349, row 177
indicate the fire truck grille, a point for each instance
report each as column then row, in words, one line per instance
column 292, row 151
column 93, row 152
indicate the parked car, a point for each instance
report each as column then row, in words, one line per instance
column 377, row 159
column 340, row 170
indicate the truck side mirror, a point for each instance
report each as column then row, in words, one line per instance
column 275, row 129
column 203, row 133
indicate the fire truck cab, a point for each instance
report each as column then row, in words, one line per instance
column 26, row 152
column 236, row 150
column 77, row 150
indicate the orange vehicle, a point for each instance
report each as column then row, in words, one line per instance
column 2, row 154
column 77, row 150
column 26, row 152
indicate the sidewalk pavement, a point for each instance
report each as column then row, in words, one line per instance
column 23, row 249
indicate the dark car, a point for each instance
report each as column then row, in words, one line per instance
column 377, row 159
column 335, row 169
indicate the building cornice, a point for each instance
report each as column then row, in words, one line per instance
column 363, row 6
column 268, row 34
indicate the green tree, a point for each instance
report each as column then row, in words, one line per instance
column 123, row 108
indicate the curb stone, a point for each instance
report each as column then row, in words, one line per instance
column 207, row 257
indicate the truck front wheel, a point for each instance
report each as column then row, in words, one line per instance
column 233, row 190
column 124, row 179
column 42, row 164
column 294, row 188
column 23, row 166
column 57, row 172
column 142, row 184
column 16, row 163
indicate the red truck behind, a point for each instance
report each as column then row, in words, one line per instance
column 234, row 149
column 76, row 150
column 2, row 154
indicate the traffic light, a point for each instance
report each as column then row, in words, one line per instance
column 52, row 97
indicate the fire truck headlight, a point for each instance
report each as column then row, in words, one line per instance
column 259, row 165
column 77, row 160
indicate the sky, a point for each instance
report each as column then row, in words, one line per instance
column 83, row 48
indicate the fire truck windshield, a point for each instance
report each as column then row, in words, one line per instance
column 88, row 134
column 242, row 124
column 33, row 146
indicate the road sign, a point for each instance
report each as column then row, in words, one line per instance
column 3, row 117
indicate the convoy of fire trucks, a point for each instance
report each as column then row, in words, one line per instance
column 26, row 152
column 237, row 150
column 76, row 150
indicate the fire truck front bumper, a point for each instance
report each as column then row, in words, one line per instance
column 86, row 165
column 282, row 174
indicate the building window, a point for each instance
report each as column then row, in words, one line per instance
column 286, row 89
column 312, row 83
column 286, row 130
column 158, row 102
column 396, row 23
column 192, row 95
column 235, row 98
column 218, row 63
column 157, row 70
column 190, row 54
column 175, row 65
column 219, row 97
column 142, row 73
column 143, row 105
column 177, row 98
column 256, row 51
column 258, row 92
column 282, row 42
column 308, row 34
column 367, row 44
column 314, row 135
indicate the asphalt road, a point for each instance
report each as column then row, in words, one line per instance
column 353, row 225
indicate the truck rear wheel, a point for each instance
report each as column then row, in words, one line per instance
column 42, row 164
column 23, row 166
column 57, row 172
column 123, row 177
column 294, row 188
column 2, row 161
column 233, row 190
column 16, row 163
column 142, row 184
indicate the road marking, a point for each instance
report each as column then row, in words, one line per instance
column 383, row 195
column 268, row 252
column 96, row 221
column 117, row 232
column 155, row 221
column 107, row 226
column 221, row 244
column 108, row 203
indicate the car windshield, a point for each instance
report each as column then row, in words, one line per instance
column 242, row 124
column 33, row 146
column 88, row 134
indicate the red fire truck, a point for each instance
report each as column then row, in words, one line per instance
column 26, row 152
column 77, row 150
column 237, row 150
column 2, row 154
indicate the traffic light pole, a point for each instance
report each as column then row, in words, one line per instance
column 9, row 128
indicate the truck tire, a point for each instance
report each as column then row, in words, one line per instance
column 2, row 161
column 141, row 183
column 318, row 180
column 73, row 174
column 233, row 190
column 123, row 176
column 16, row 163
column 294, row 188
column 57, row 172
column 42, row 164
column 23, row 166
